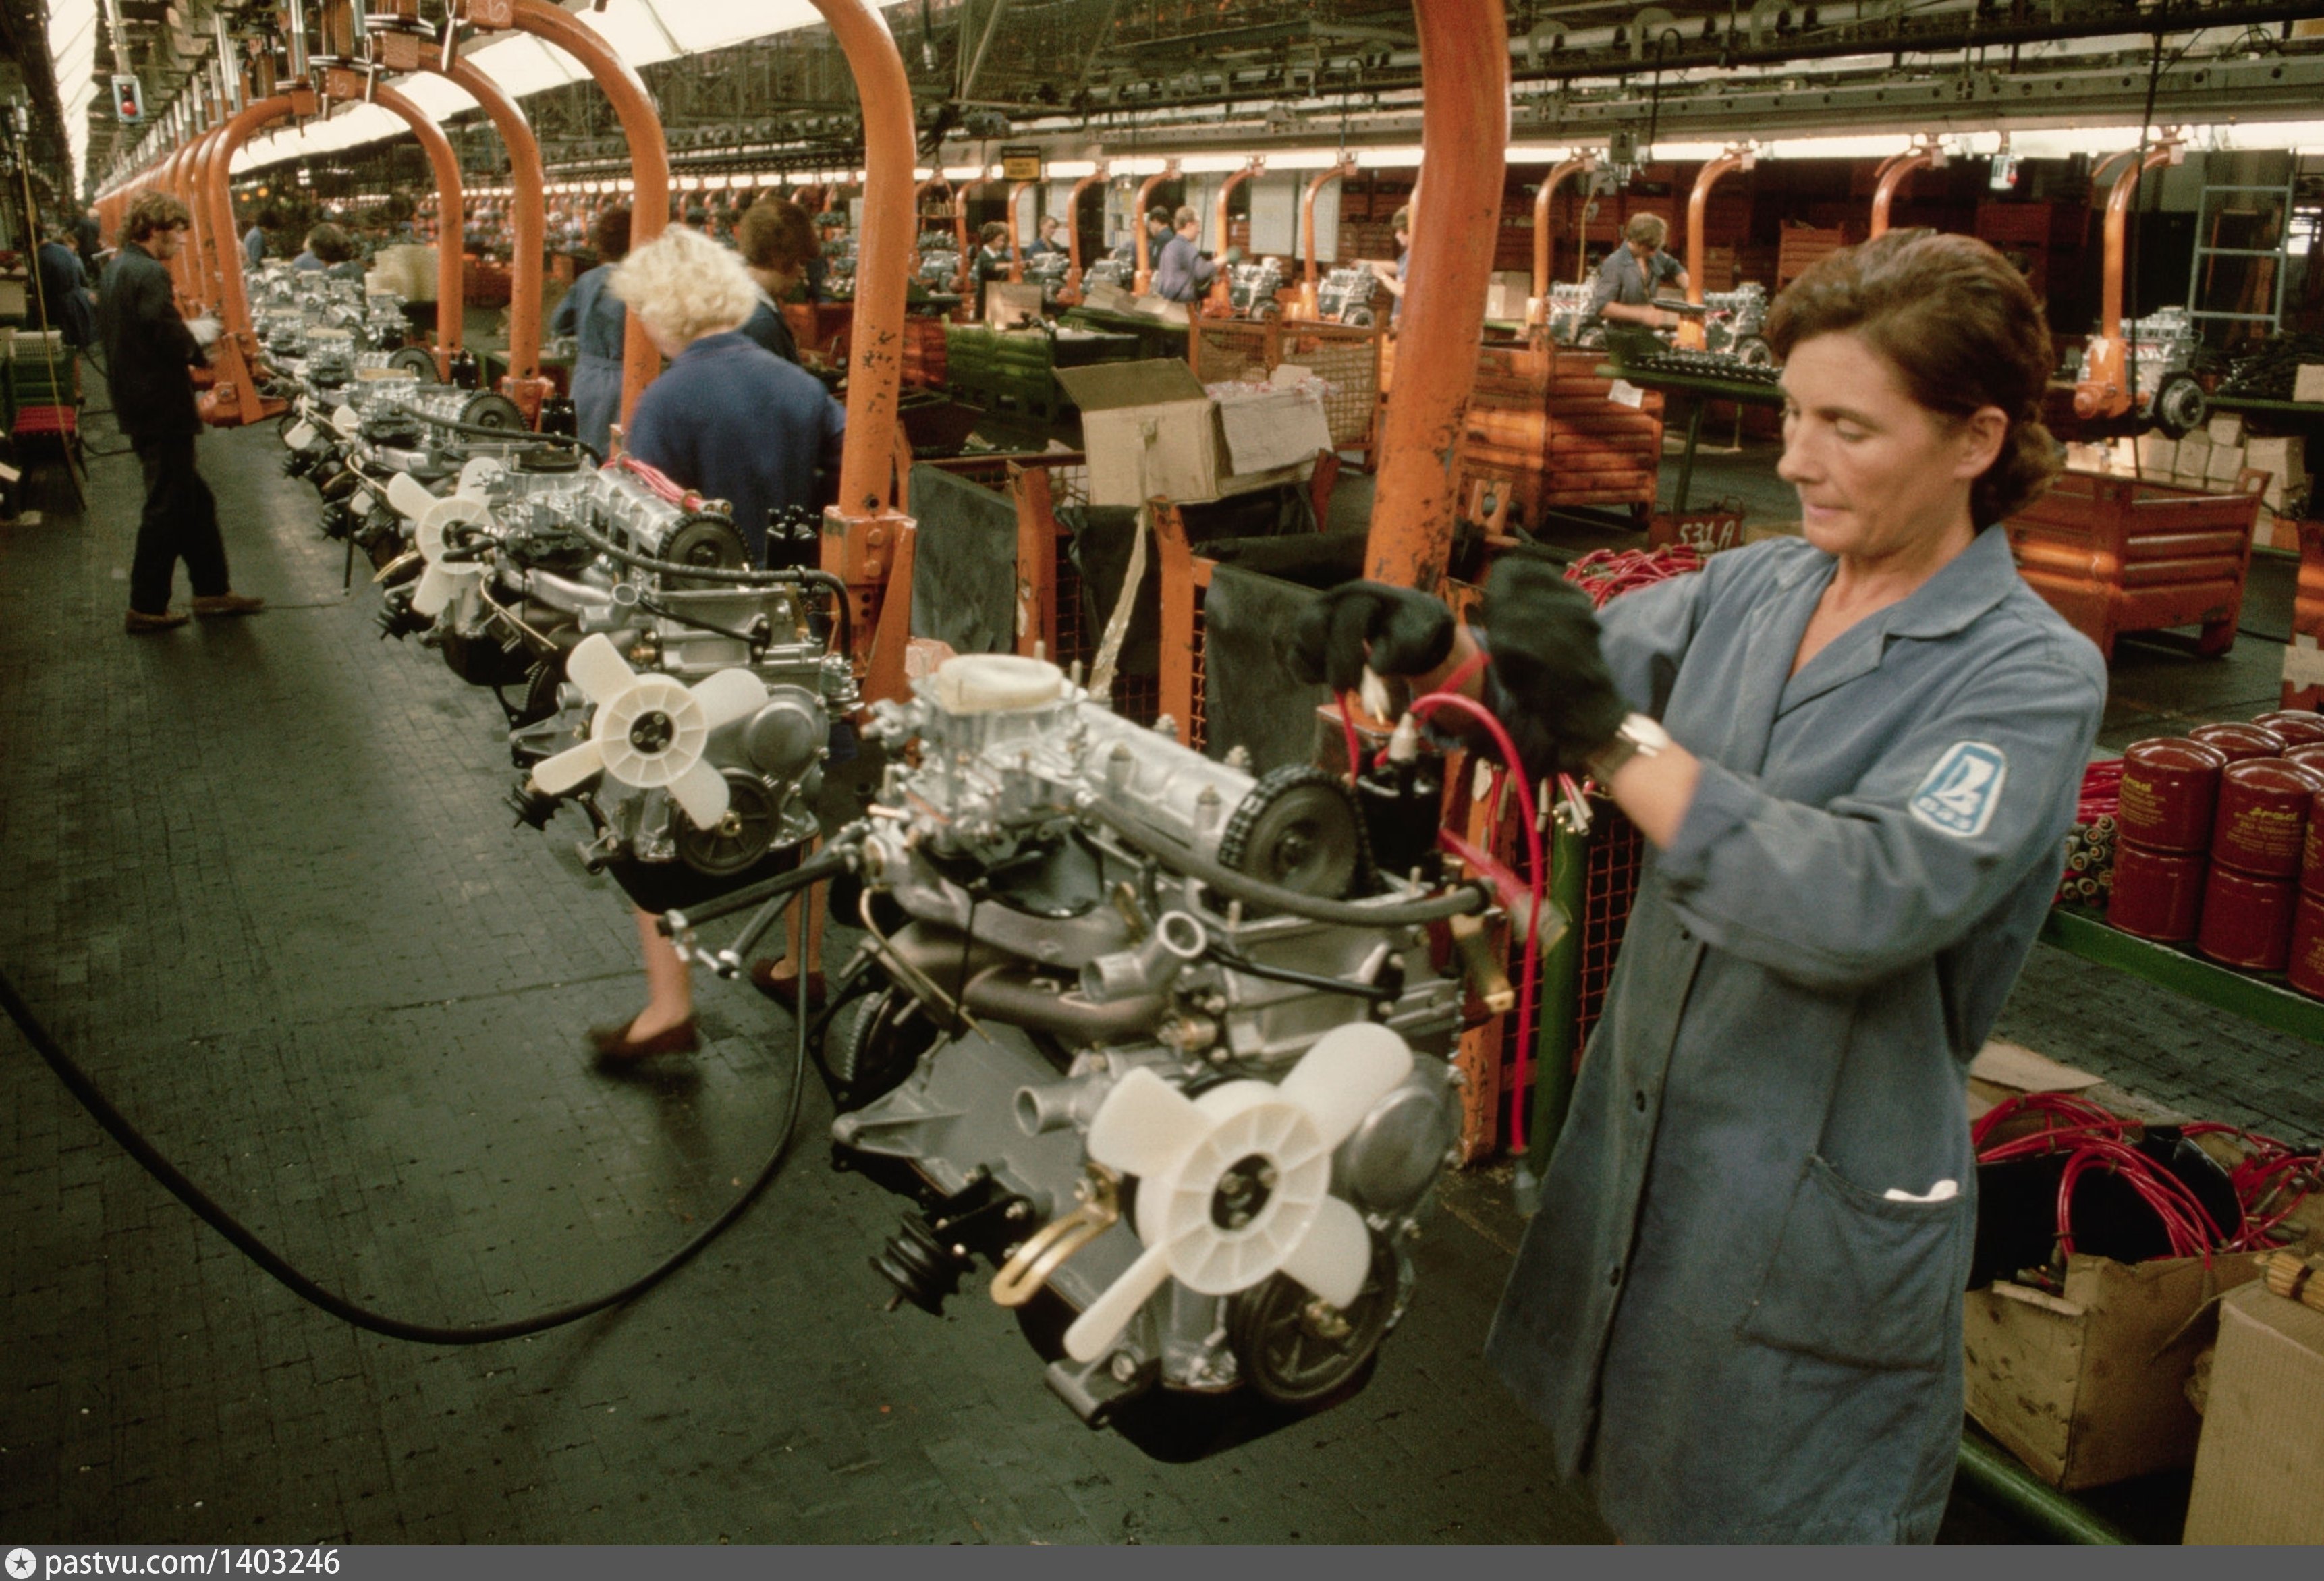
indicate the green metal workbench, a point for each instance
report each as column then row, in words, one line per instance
column 2262, row 999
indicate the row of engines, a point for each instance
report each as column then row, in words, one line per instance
column 1154, row 1037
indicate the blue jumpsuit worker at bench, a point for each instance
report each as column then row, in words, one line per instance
column 598, row 323
column 1855, row 756
column 1624, row 287
column 731, row 420
column 1183, row 274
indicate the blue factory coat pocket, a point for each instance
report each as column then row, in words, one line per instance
column 1860, row 1278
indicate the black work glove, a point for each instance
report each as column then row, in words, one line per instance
column 1559, row 699
column 1393, row 630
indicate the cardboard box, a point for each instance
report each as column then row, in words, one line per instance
column 2259, row 1472
column 1008, row 303
column 2090, row 1387
column 2307, row 383
column 1507, row 297
column 2158, row 454
column 1110, row 298
column 2286, row 466
column 2226, row 465
column 2227, row 428
column 1153, row 433
column 1161, row 308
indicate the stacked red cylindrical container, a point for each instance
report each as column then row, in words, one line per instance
column 2221, row 841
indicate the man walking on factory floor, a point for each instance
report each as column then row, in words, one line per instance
column 150, row 353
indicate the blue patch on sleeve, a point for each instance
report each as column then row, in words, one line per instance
column 1961, row 791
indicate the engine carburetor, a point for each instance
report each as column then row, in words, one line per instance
column 1153, row 1035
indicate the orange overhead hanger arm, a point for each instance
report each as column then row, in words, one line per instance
column 1925, row 155
column 340, row 83
column 1310, row 300
column 531, row 223
column 1015, row 243
column 1579, row 164
column 2104, row 388
column 1464, row 69
column 1222, row 289
column 1144, row 279
column 640, row 129
column 1073, row 225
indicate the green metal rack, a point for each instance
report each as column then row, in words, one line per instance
column 2265, row 1000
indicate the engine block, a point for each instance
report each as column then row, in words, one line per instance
column 1207, row 1126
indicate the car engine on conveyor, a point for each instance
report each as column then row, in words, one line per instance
column 1157, row 1038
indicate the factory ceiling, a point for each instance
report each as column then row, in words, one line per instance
column 1256, row 73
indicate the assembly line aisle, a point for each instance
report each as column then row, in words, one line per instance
column 263, row 885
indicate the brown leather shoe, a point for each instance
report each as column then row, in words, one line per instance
column 229, row 603
column 615, row 1042
column 139, row 621
column 783, row 988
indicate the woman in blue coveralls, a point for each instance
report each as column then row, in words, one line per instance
column 594, row 317
column 1855, row 754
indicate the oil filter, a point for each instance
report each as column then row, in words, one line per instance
column 2262, row 815
column 2298, row 727
column 2246, row 921
column 2305, row 754
column 2157, row 895
column 2240, row 740
column 2169, row 793
column 2305, row 963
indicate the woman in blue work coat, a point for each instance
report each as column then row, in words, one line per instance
column 596, row 320
column 1855, row 755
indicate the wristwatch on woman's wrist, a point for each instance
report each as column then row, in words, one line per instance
column 1640, row 736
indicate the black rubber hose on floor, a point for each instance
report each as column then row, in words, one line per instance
column 117, row 1126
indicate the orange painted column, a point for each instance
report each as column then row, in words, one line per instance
column 1464, row 70
column 1221, row 293
column 525, row 177
column 1537, row 314
column 640, row 129
column 340, row 83
column 1310, row 300
column 1143, row 281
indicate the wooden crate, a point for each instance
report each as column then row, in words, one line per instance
column 1802, row 245
column 2115, row 554
column 1540, row 424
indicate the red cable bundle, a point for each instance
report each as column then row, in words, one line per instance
column 2093, row 1139
column 2101, row 791
column 1605, row 574
column 2271, row 1181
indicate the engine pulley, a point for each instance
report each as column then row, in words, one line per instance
column 1298, row 829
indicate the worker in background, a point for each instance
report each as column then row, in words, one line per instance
column 992, row 259
column 597, row 323
column 1854, row 756
column 63, row 300
column 732, row 421
column 253, row 240
column 1183, row 274
column 150, row 354
column 776, row 237
column 1392, row 275
column 1052, row 238
column 1625, row 286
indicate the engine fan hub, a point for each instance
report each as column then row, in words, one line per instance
column 652, row 732
column 1242, row 1191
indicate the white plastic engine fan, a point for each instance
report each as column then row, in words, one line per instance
column 1184, row 1149
column 443, row 583
column 650, row 731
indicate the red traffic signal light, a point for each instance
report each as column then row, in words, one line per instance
column 128, row 100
